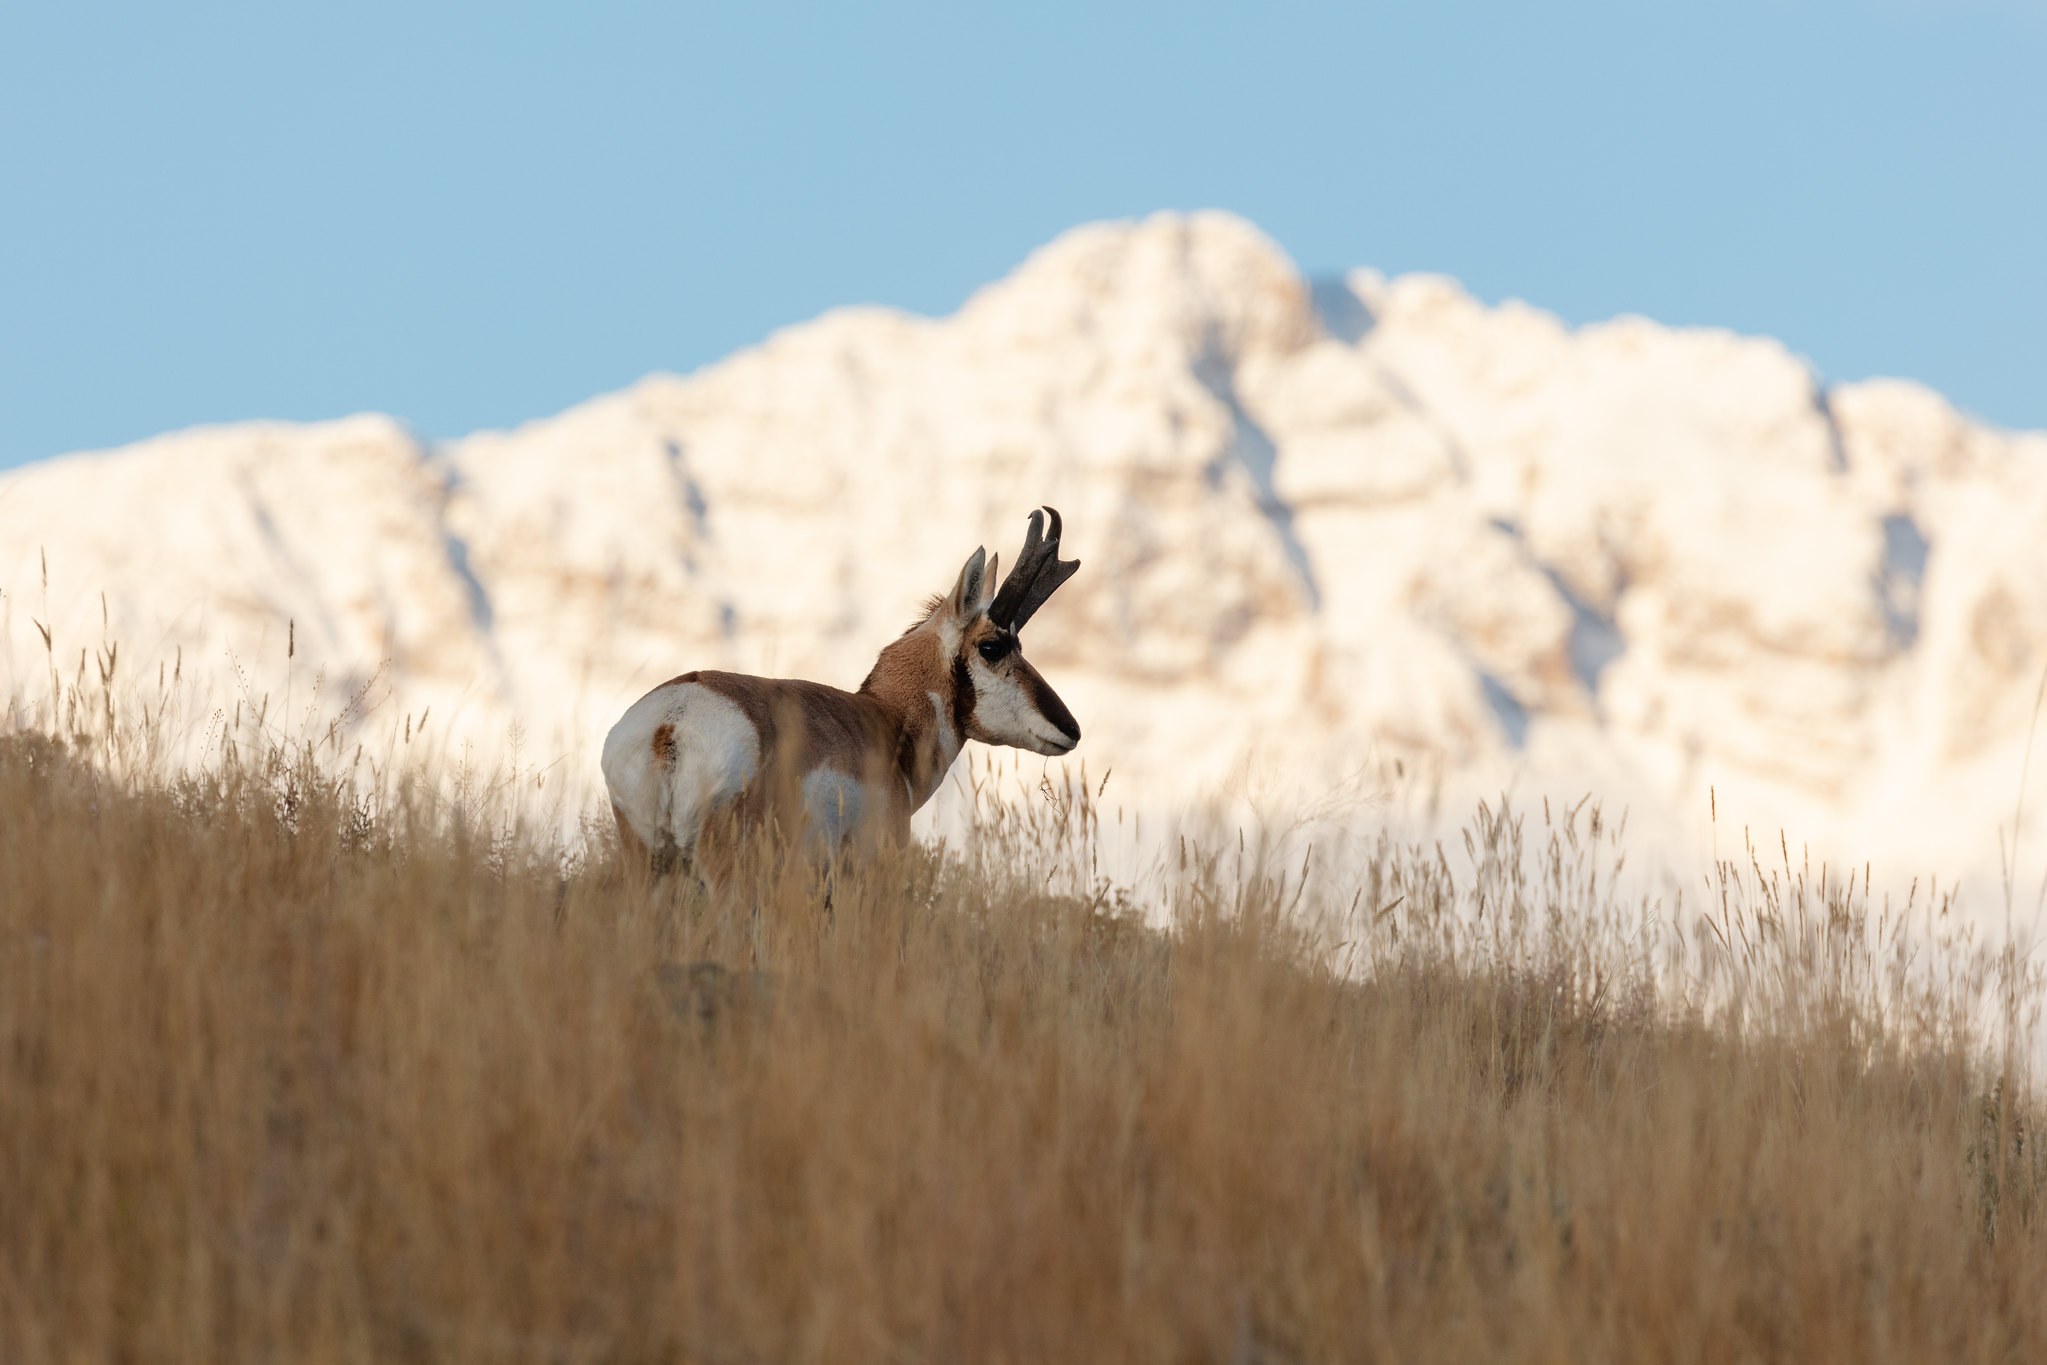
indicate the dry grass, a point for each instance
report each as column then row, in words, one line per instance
column 297, row 1067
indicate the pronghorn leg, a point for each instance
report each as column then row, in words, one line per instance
column 658, row 863
column 632, row 848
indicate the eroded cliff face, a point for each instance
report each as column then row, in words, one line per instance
column 1366, row 541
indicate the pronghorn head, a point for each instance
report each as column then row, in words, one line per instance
column 997, row 697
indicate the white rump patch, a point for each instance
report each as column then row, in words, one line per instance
column 713, row 753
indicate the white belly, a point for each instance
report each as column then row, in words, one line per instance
column 833, row 805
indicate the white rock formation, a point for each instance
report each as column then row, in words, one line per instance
column 1367, row 541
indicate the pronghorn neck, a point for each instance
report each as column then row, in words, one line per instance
column 914, row 681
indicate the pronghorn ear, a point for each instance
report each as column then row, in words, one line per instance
column 967, row 596
column 988, row 582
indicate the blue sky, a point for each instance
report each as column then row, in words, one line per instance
column 470, row 215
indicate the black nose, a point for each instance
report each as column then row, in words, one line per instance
column 1054, row 710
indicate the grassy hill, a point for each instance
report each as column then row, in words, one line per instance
column 300, row 1062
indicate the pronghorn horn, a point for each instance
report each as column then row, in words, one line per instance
column 1038, row 573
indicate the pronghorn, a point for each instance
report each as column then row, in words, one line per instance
column 838, row 766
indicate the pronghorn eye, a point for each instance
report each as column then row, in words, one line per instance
column 994, row 650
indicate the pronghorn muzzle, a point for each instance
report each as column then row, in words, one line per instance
column 1050, row 707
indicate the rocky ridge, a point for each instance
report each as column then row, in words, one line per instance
column 1360, row 544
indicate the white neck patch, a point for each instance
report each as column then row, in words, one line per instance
column 948, row 736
